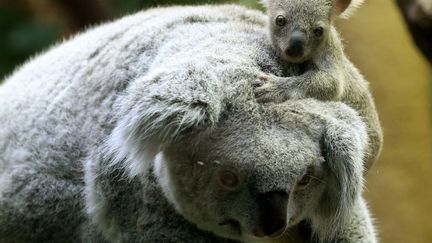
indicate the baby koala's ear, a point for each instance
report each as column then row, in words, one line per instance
column 345, row 8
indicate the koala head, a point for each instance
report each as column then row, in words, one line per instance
column 262, row 170
column 299, row 28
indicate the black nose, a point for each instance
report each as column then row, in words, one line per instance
column 272, row 210
column 296, row 45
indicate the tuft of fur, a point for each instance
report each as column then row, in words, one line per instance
column 352, row 7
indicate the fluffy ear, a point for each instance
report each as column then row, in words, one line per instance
column 343, row 145
column 345, row 8
column 152, row 117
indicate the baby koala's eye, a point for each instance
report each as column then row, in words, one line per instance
column 318, row 31
column 306, row 179
column 280, row 20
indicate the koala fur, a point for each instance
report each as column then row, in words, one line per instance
column 147, row 129
column 302, row 33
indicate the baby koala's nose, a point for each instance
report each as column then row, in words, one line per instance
column 296, row 45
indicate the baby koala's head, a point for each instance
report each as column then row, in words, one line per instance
column 299, row 27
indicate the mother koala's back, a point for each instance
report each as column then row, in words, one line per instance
column 63, row 99
column 60, row 105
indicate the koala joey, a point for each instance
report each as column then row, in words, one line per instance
column 147, row 129
column 302, row 33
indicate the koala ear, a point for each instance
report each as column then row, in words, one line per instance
column 150, row 119
column 343, row 145
column 345, row 8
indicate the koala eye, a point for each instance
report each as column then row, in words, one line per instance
column 318, row 31
column 229, row 179
column 280, row 20
column 306, row 179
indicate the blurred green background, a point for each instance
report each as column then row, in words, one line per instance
column 29, row 26
column 377, row 40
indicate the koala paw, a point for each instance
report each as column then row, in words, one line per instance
column 269, row 88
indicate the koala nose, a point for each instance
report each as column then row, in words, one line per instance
column 272, row 210
column 296, row 45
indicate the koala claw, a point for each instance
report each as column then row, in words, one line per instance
column 260, row 80
column 274, row 89
column 266, row 92
column 263, row 77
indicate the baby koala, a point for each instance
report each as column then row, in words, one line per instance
column 302, row 33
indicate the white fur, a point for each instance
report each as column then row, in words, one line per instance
column 350, row 10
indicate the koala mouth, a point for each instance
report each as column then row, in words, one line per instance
column 233, row 224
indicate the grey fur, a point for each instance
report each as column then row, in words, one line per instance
column 328, row 73
column 121, row 133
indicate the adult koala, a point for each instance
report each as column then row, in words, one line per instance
column 147, row 130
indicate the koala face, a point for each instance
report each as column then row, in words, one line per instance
column 298, row 28
column 251, row 177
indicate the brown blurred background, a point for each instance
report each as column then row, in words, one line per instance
column 399, row 186
column 379, row 42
